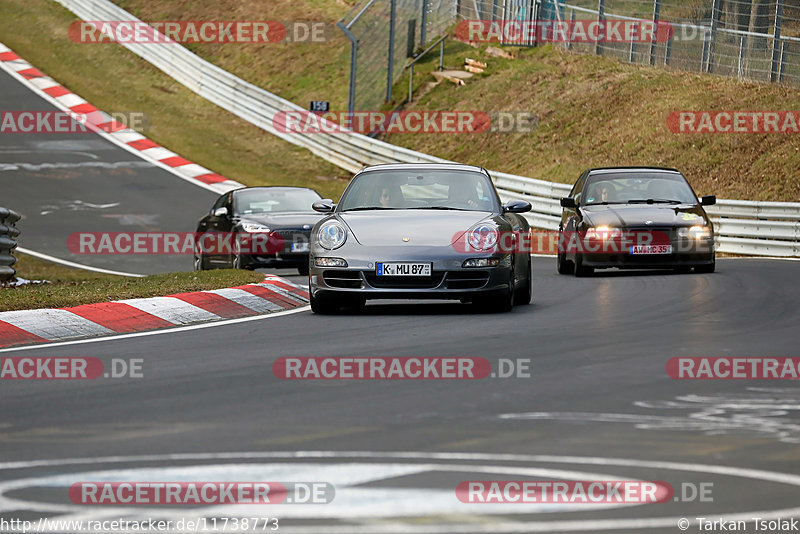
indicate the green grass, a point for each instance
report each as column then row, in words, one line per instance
column 72, row 287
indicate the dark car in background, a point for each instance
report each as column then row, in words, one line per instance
column 268, row 227
column 634, row 217
column 419, row 231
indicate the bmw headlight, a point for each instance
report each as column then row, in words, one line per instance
column 482, row 237
column 255, row 228
column 331, row 235
column 696, row 232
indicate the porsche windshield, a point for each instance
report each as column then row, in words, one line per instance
column 420, row 189
column 632, row 188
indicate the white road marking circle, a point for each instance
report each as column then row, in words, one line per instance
column 382, row 505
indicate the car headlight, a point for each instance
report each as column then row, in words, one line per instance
column 602, row 232
column 696, row 232
column 331, row 235
column 254, row 228
column 482, row 237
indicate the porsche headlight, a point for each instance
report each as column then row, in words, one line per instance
column 482, row 237
column 255, row 228
column 331, row 235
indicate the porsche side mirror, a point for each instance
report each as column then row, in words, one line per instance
column 516, row 206
column 568, row 202
column 708, row 200
column 325, row 205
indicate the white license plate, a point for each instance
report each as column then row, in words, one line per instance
column 299, row 247
column 651, row 249
column 403, row 269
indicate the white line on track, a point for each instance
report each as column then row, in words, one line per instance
column 76, row 265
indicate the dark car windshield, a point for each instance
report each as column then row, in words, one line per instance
column 420, row 189
column 633, row 188
column 259, row 201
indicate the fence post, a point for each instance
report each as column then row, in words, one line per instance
column 571, row 27
column 390, row 63
column 667, row 51
column 715, row 12
column 656, row 15
column 423, row 30
column 739, row 71
column 351, row 98
column 632, row 51
column 783, row 61
column 776, row 40
column 704, row 55
column 601, row 9
column 8, row 242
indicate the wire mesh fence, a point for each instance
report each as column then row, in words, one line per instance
column 755, row 40
column 382, row 33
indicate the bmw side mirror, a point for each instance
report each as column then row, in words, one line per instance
column 568, row 202
column 708, row 200
column 516, row 206
column 221, row 212
column 325, row 205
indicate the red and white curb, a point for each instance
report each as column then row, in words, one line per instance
column 24, row 327
column 106, row 127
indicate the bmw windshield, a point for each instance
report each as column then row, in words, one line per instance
column 634, row 188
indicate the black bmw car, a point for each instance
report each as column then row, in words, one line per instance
column 257, row 227
column 634, row 217
column 420, row 231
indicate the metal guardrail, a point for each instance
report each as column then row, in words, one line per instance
column 745, row 227
column 8, row 242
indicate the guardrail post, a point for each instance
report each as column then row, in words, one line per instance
column 8, row 242
column 715, row 12
column 601, row 10
column 776, row 41
column 656, row 15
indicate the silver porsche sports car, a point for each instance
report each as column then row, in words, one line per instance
column 419, row 231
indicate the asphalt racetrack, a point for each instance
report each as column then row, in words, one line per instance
column 598, row 405
column 67, row 183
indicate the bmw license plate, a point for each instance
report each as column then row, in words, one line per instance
column 651, row 249
column 403, row 269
